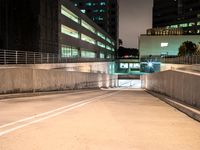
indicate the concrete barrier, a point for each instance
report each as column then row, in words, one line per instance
column 14, row 80
column 182, row 86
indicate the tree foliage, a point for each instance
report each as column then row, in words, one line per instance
column 187, row 48
column 120, row 42
column 198, row 50
column 127, row 52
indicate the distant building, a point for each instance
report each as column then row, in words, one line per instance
column 184, row 14
column 52, row 26
column 168, row 45
column 174, row 22
column 103, row 12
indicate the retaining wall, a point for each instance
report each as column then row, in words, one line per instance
column 182, row 86
column 13, row 80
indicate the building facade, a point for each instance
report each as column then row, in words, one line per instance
column 103, row 12
column 167, row 45
column 184, row 14
column 53, row 27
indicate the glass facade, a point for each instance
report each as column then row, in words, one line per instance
column 87, row 39
column 88, row 54
column 108, row 47
column 66, row 12
column 87, row 26
column 101, row 35
column 102, row 55
column 72, row 52
column 108, row 40
column 68, row 51
column 101, row 44
column 68, row 31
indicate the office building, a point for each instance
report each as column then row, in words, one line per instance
column 103, row 12
column 173, row 14
column 53, row 27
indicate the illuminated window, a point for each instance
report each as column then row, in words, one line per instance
column 102, row 3
column 88, row 54
column 101, row 44
column 174, row 26
column 198, row 23
column 164, row 44
column 88, row 4
column 68, row 51
column 124, row 65
column 113, row 43
column 98, row 18
column 87, row 39
column 66, row 12
column 87, row 26
column 113, row 49
column 102, row 55
column 183, row 25
column 108, row 40
column 68, row 31
column 101, row 35
column 191, row 24
column 83, row 11
column 102, row 10
column 108, row 47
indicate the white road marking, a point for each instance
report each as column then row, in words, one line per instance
column 66, row 108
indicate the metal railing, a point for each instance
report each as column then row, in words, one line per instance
column 28, row 57
column 182, row 60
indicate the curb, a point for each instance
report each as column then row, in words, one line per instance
column 21, row 95
column 188, row 110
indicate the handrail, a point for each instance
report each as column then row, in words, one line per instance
column 30, row 57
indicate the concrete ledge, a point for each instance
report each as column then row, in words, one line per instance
column 19, row 95
column 188, row 110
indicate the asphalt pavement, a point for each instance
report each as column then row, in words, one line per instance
column 109, row 119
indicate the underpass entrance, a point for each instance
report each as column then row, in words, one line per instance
column 130, row 83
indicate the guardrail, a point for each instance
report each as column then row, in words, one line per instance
column 182, row 60
column 195, row 59
column 28, row 57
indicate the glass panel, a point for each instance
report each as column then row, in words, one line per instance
column 191, row 24
column 68, row 51
column 87, row 26
column 183, row 25
column 108, row 40
column 87, row 39
column 68, row 31
column 88, row 54
column 108, row 47
column 102, row 55
column 66, row 12
column 101, row 45
column 101, row 35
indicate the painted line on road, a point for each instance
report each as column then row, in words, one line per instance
column 66, row 108
column 45, row 113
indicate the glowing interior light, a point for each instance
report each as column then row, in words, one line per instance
column 150, row 64
column 164, row 44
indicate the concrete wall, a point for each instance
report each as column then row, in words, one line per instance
column 164, row 67
column 151, row 45
column 95, row 67
column 15, row 80
column 181, row 86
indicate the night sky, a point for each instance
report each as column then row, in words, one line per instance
column 135, row 17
